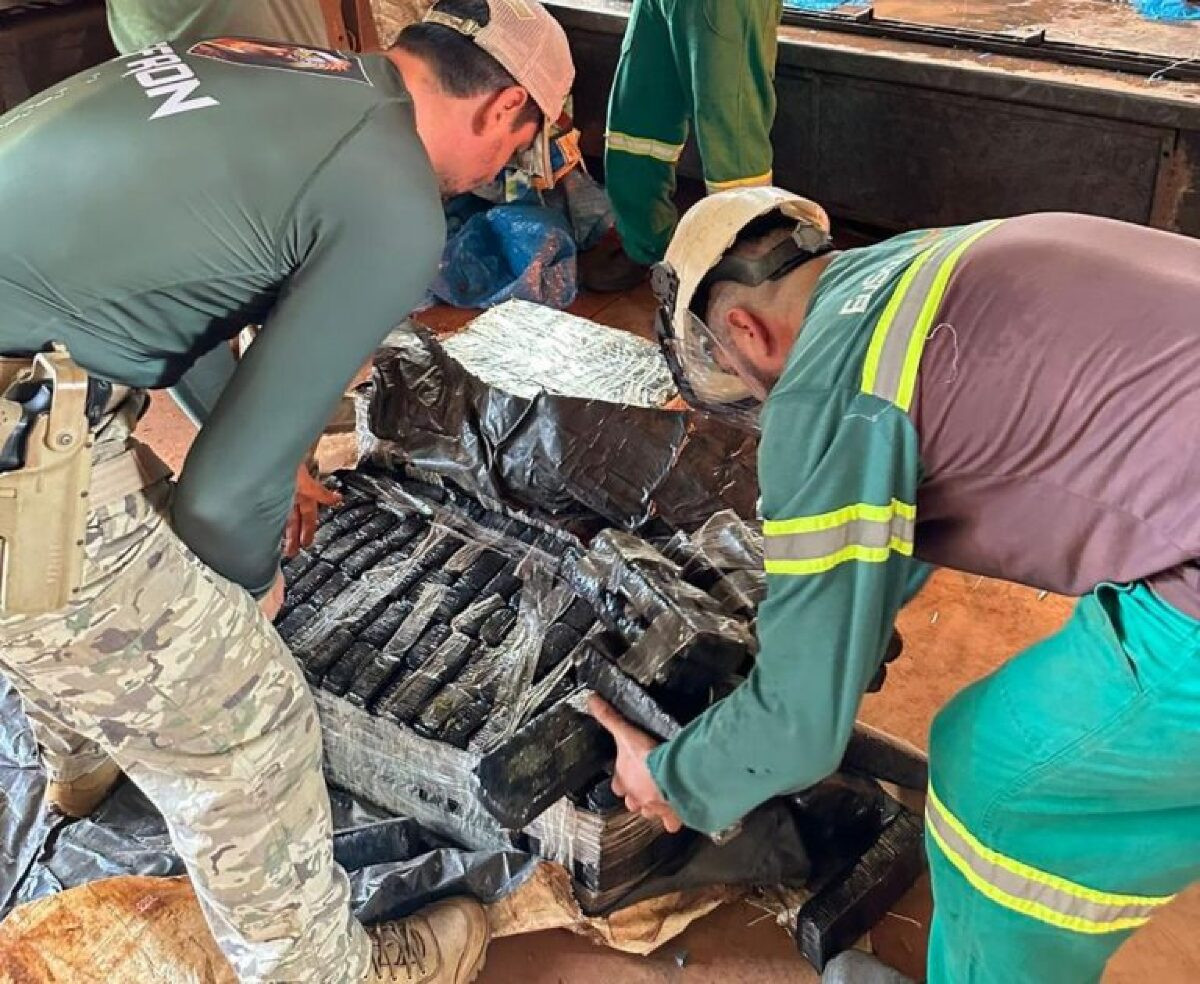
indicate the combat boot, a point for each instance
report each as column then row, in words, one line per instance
column 445, row 943
column 78, row 798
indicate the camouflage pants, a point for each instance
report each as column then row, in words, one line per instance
column 174, row 673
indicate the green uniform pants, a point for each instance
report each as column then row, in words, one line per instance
column 708, row 61
column 1065, row 796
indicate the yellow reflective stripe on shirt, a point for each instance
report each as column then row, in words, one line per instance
column 819, row 543
column 1037, row 894
column 644, row 147
column 758, row 181
column 898, row 341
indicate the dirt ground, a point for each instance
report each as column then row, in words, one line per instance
column 958, row 630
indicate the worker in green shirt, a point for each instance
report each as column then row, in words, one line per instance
column 153, row 207
column 700, row 66
column 137, row 24
column 1017, row 399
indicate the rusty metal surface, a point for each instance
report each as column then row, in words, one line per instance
column 1103, row 23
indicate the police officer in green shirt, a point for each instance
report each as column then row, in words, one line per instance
column 152, row 207
column 1017, row 399
column 137, row 24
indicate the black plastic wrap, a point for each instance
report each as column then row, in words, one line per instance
column 553, row 455
column 677, row 635
column 724, row 558
column 395, row 865
column 23, row 826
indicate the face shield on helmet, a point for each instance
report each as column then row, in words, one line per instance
column 709, row 369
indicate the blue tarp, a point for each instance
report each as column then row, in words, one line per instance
column 509, row 252
column 1168, row 9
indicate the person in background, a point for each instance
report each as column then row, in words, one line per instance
column 137, row 24
column 707, row 65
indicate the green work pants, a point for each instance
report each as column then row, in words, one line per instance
column 1065, row 795
column 710, row 62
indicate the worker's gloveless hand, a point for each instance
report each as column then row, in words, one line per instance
column 270, row 603
column 632, row 779
column 311, row 495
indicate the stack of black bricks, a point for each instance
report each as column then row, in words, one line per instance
column 425, row 652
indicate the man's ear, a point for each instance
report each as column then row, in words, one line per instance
column 749, row 333
column 508, row 103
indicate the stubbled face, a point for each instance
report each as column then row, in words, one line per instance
column 478, row 153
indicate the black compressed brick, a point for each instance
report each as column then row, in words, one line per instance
column 369, row 532
column 327, row 592
column 425, row 646
column 693, row 565
column 379, row 632
column 428, row 566
column 460, row 724
column 440, row 551
column 408, row 700
column 373, row 678
column 428, row 491
column 411, row 629
column 842, row 911
column 361, row 560
column 303, row 589
column 296, row 567
column 549, row 757
column 472, row 620
column 317, row 659
column 628, row 698
column 483, row 568
column 555, row 546
column 342, row 673
column 506, row 584
column 295, row 620
column 341, row 521
column 498, row 626
column 557, row 644
column 393, row 547
column 377, row 609
column 460, row 708
column 526, row 534
column 390, row 546
column 455, row 601
column 579, row 615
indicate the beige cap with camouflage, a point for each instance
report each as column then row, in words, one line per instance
column 532, row 46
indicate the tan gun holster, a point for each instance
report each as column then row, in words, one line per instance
column 44, row 504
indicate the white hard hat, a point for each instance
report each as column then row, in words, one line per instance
column 705, row 234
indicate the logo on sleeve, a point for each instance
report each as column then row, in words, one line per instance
column 282, row 57
column 166, row 76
